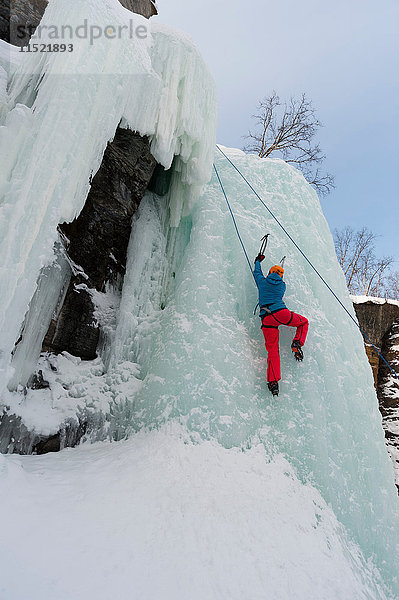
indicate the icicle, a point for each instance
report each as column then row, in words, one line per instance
column 51, row 287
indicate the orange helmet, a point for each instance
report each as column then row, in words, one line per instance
column 277, row 269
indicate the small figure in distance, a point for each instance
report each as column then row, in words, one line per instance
column 273, row 313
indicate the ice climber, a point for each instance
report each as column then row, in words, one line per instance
column 273, row 313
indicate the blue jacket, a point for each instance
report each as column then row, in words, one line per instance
column 271, row 290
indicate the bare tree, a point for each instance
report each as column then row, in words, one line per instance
column 351, row 246
column 289, row 129
column 392, row 285
column 371, row 275
column 365, row 273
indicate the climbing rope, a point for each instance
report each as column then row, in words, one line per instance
column 299, row 249
column 234, row 220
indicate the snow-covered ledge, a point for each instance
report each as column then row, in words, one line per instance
column 373, row 299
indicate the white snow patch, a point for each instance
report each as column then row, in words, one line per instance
column 72, row 382
column 160, row 517
column 363, row 299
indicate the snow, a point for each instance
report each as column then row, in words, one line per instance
column 161, row 517
column 71, row 381
column 363, row 299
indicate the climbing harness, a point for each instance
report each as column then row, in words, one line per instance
column 299, row 250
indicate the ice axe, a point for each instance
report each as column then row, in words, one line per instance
column 264, row 241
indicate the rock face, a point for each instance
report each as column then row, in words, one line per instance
column 16, row 438
column 141, row 7
column 5, row 20
column 97, row 241
column 376, row 320
column 388, row 393
column 15, row 13
column 381, row 324
column 28, row 13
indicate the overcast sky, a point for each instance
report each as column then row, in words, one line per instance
column 345, row 56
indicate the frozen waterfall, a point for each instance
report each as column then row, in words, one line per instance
column 211, row 488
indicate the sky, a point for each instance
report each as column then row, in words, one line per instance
column 345, row 56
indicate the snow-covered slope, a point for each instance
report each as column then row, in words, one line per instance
column 158, row 517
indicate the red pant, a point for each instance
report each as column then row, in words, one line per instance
column 270, row 325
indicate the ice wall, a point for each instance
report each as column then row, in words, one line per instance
column 61, row 110
column 202, row 357
column 10, row 58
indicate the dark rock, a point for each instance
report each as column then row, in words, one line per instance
column 5, row 20
column 98, row 238
column 23, row 18
column 37, row 382
column 160, row 181
column 74, row 330
column 388, row 391
column 51, row 444
column 388, row 386
column 376, row 320
column 97, row 241
column 141, row 7
column 68, row 437
column 380, row 322
column 16, row 438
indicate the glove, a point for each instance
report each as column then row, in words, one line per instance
column 260, row 257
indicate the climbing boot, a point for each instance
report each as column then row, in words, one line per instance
column 273, row 387
column 297, row 350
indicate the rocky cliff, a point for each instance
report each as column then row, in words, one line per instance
column 376, row 319
column 28, row 13
column 379, row 319
column 97, row 241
